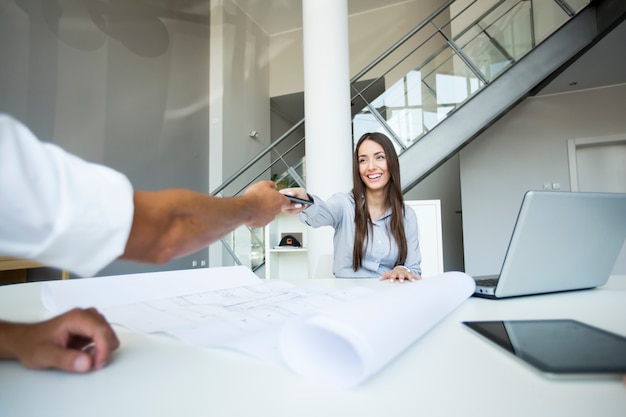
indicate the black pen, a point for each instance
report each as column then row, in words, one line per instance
column 299, row 200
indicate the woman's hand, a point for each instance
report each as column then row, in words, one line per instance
column 295, row 208
column 399, row 274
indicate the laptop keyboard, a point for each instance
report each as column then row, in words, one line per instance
column 487, row 282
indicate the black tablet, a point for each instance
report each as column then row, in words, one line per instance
column 559, row 347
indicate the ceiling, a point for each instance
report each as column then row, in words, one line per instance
column 604, row 64
column 277, row 16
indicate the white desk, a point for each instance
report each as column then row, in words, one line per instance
column 441, row 374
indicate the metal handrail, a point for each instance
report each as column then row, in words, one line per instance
column 256, row 159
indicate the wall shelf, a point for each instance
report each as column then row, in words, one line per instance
column 288, row 250
column 285, row 262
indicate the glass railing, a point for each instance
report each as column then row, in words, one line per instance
column 460, row 51
column 433, row 70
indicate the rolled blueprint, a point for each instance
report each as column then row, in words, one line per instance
column 347, row 343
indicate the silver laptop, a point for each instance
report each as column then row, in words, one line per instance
column 561, row 241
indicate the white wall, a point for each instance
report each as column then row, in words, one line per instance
column 127, row 84
column 524, row 150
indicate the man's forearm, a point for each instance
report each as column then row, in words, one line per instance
column 8, row 334
column 172, row 223
column 169, row 224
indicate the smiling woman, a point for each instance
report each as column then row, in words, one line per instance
column 376, row 234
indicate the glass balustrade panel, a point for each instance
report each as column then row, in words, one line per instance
column 547, row 16
column 450, row 82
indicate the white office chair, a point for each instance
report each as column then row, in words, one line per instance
column 430, row 234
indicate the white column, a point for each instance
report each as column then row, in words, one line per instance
column 327, row 114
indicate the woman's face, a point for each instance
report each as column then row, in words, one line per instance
column 373, row 165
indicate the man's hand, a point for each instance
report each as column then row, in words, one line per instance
column 265, row 202
column 295, row 208
column 58, row 342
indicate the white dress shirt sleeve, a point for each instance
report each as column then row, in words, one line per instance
column 58, row 209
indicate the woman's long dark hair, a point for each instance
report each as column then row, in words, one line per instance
column 393, row 197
